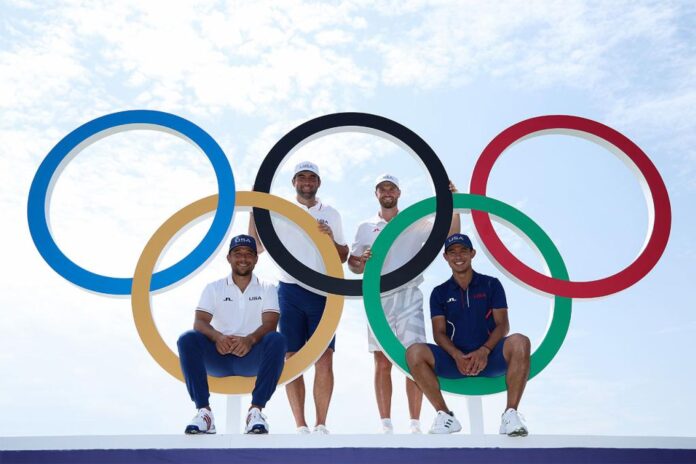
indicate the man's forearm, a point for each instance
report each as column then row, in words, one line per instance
column 342, row 251
column 206, row 329
column 444, row 342
column 456, row 224
column 261, row 331
column 254, row 233
column 498, row 333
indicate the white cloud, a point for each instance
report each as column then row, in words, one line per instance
column 666, row 120
column 248, row 57
column 247, row 73
column 538, row 44
column 635, row 61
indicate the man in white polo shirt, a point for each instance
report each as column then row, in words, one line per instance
column 301, row 309
column 403, row 306
column 234, row 333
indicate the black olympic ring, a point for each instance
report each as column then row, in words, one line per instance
column 353, row 287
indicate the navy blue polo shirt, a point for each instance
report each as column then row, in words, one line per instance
column 469, row 311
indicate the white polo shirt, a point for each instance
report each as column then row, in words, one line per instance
column 405, row 247
column 234, row 312
column 300, row 245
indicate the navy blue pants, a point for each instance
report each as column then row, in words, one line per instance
column 446, row 366
column 300, row 313
column 199, row 358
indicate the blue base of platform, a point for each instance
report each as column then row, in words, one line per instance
column 353, row 455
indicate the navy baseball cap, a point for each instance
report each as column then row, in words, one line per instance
column 243, row 240
column 460, row 239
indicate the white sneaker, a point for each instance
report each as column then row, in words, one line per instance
column 321, row 430
column 256, row 422
column 203, row 422
column 387, row 427
column 512, row 424
column 445, row 423
column 414, row 426
column 304, row 430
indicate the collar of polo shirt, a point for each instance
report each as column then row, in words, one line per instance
column 254, row 280
column 318, row 203
column 474, row 280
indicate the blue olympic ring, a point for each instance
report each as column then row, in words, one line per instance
column 88, row 133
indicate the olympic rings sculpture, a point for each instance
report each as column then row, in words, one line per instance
column 333, row 283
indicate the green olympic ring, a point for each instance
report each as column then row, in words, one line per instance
column 392, row 347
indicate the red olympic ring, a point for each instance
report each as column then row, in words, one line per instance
column 659, row 222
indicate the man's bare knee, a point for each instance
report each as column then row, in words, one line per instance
column 382, row 363
column 417, row 354
column 325, row 362
column 519, row 345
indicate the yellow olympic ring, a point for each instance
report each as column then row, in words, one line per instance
column 140, row 294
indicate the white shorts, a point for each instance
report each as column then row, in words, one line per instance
column 404, row 311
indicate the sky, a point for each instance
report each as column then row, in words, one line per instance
column 455, row 73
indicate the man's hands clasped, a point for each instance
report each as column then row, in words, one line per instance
column 232, row 344
column 473, row 363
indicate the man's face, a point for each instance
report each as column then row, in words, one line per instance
column 387, row 194
column 459, row 257
column 243, row 260
column 306, row 184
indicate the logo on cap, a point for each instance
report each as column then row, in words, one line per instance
column 306, row 166
column 243, row 240
column 458, row 239
column 387, row 178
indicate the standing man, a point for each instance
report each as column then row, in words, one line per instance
column 403, row 306
column 234, row 333
column 470, row 327
column 302, row 309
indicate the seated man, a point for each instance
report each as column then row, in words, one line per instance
column 234, row 334
column 470, row 324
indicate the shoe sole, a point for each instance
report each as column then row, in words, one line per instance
column 446, row 432
column 257, row 430
column 516, row 433
column 197, row 431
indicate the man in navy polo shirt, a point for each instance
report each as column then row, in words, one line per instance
column 470, row 327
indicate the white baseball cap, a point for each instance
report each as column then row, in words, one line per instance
column 306, row 166
column 386, row 178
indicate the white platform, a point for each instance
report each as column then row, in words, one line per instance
column 338, row 441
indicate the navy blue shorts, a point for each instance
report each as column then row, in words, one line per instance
column 300, row 313
column 447, row 368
